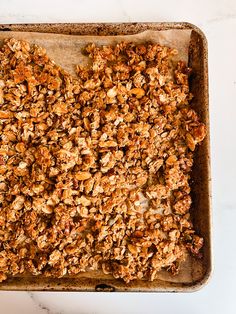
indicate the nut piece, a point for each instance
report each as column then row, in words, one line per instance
column 5, row 114
column 132, row 249
column 138, row 92
column 18, row 202
column 20, row 147
column 171, row 160
column 60, row 108
column 83, row 175
column 111, row 93
column 108, row 144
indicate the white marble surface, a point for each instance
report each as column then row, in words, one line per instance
column 218, row 20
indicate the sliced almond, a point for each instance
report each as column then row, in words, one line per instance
column 83, row 175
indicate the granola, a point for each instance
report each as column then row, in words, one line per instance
column 95, row 169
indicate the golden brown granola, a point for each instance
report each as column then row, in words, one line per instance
column 94, row 170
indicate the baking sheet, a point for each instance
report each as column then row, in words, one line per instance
column 65, row 50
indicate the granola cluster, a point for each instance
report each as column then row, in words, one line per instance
column 94, row 170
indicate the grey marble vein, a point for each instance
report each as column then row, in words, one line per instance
column 40, row 305
column 124, row 12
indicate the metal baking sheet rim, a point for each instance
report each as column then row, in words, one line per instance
column 111, row 285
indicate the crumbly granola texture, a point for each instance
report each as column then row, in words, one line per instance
column 95, row 169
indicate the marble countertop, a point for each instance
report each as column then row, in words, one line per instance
column 218, row 21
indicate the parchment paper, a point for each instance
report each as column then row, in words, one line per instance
column 65, row 50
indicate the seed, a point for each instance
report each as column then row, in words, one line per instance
column 190, row 141
column 86, row 124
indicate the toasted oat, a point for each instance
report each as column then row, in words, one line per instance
column 94, row 170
